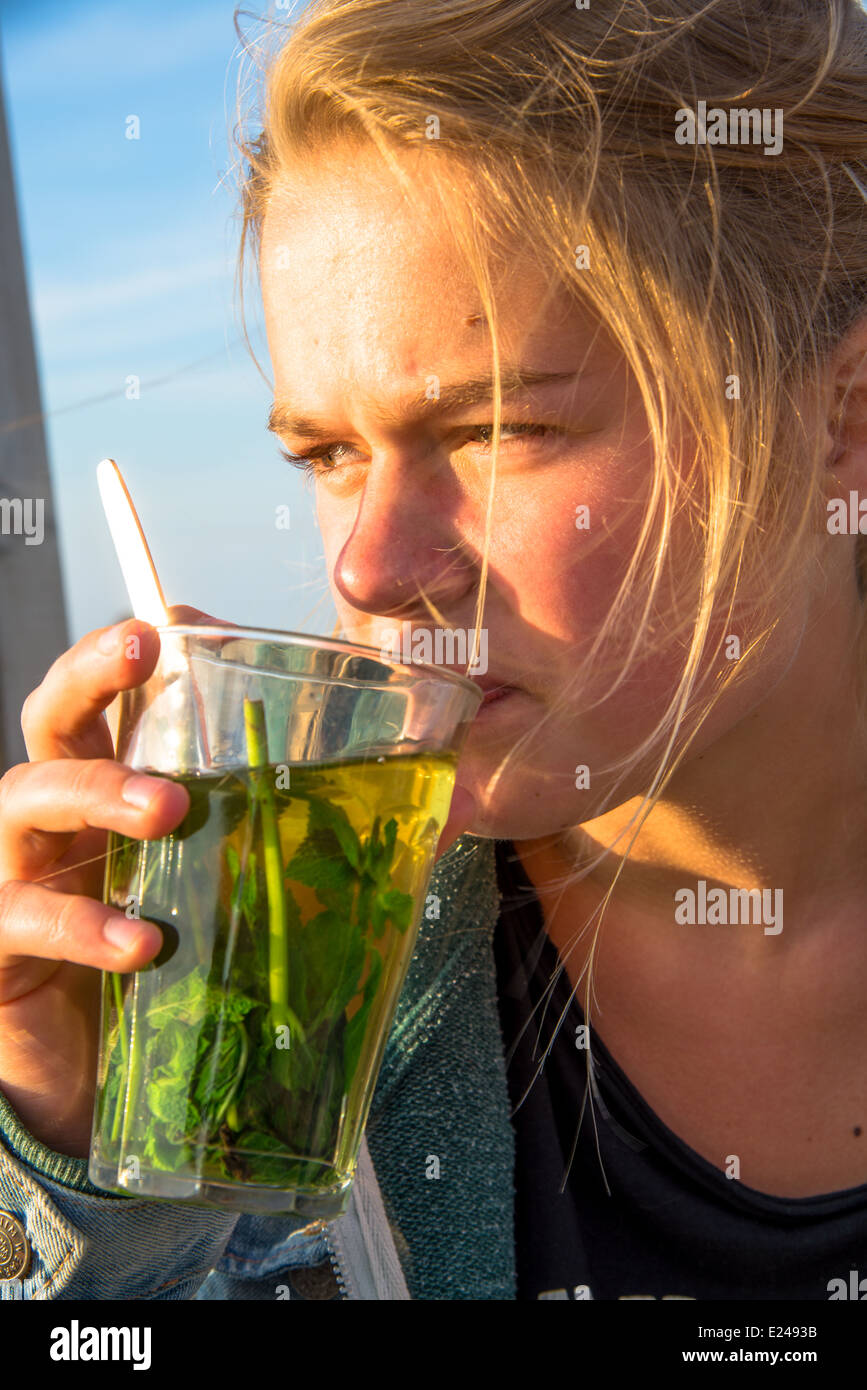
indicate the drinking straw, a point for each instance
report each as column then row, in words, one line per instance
column 142, row 582
column 133, row 552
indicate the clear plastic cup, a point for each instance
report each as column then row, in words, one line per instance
column 237, row 1069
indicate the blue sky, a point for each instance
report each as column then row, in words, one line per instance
column 130, row 252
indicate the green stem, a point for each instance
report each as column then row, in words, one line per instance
column 278, row 917
column 133, row 1072
column 118, row 1003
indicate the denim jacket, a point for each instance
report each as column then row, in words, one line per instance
column 432, row 1208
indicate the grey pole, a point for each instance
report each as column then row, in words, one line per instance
column 32, row 617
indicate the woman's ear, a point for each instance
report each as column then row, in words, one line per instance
column 846, row 416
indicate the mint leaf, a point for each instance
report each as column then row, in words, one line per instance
column 392, row 906
column 213, row 1085
column 185, row 1001
column 321, row 862
column 328, row 815
column 378, row 855
column 268, row 1157
column 334, row 956
column 233, row 1005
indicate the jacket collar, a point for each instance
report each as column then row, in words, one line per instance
column 432, row 1210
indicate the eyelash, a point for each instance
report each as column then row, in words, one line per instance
column 307, row 463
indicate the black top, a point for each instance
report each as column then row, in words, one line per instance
column 672, row 1225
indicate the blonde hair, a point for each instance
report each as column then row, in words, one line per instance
column 705, row 262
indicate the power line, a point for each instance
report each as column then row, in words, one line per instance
column 8, row 426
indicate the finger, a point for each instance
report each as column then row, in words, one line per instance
column 41, row 803
column 181, row 615
column 37, row 924
column 462, row 813
column 63, row 717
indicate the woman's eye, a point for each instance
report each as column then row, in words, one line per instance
column 329, row 457
column 320, row 460
column 522, row 430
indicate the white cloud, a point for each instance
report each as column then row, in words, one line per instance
column 61, row 302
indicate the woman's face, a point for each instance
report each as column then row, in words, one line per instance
column 375, row 330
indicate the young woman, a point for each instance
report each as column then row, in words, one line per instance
column 567, row 315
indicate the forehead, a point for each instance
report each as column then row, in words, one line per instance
column 367, row 271
column 347, row 211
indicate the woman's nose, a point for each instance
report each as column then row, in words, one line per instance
column 404, row 544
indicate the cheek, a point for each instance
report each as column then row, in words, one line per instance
column 561, row 548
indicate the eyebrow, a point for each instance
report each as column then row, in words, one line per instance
column 473, row 391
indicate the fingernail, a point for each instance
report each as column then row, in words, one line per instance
column 121, row 934
column 109, row 641
column 140, row 791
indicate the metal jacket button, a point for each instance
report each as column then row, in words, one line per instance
column 14, row 1248
column 315, row 1282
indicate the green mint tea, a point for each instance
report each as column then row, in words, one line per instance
column 289, row 901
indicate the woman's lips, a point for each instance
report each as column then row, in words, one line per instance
column 495, row 695
column 499, row 692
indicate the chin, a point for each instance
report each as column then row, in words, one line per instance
column 523, row 805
